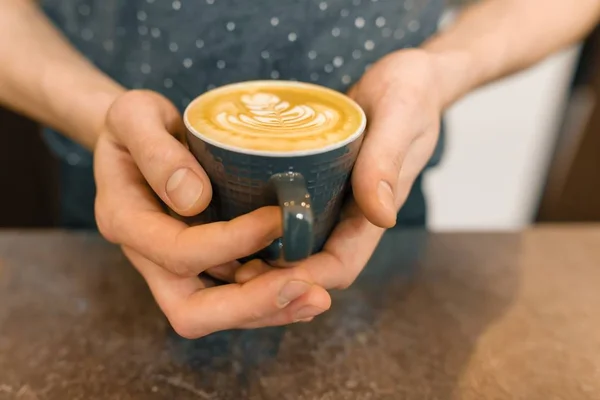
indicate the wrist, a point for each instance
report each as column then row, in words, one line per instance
column 79, row 113
column 102, row 100
column 456, row 70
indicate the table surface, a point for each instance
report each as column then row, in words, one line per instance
column 434, row 316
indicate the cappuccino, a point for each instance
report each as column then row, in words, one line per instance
column 275, row 116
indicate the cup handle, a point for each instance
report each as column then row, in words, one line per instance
column 294, row 200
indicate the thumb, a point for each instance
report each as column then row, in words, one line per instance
column 145, row 123
column 377, row 169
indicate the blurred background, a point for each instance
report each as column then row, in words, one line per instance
column 523, row 150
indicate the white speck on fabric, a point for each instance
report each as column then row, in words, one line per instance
column 184, row 48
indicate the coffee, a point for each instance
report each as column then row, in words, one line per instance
column 275, row 116
column 267, row 143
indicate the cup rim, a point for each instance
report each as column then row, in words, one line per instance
column 266, row 153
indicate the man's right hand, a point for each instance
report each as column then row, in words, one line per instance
column 137, row 157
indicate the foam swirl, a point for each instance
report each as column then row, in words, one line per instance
column 275, row 116
column 266, row 115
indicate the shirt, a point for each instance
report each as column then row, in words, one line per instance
column 181, row 48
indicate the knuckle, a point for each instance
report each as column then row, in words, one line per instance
column 152, row 151
column 255, row 315
column 126, row 105
column 395, row 161
column 178, row 267
column 105, row 220
column 409, row 100
column 344, row 283
column 345, row 280
column 183, row 326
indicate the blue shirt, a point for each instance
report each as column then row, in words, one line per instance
column 182, row 48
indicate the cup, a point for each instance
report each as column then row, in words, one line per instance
column 309, row 185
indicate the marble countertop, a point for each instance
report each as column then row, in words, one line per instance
column 434, row 316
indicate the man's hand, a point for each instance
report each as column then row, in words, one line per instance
column 137, row 158
column 400, row 97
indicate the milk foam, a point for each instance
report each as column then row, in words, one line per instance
column 275, row 116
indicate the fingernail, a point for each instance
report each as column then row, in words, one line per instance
column 291, row 291
column 307, row 312
column 184, row 188
column 386, row 196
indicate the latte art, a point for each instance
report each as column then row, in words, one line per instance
column 275, row 116
column 268, row 115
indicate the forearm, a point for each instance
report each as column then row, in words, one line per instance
column 497, row 37
column 45, row 78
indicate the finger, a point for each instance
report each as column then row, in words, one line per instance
column 346, row 252
column 251, row 270
column 302, row 310
column 224, row 272
column 145, row 123
column 195, row 311
column 374, row 180
column 353, row 241
column 128, row 213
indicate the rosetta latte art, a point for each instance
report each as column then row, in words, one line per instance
column 274, row 116
column 267, row 115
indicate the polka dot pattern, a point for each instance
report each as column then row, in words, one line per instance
column 339, row 40
column 183, row 48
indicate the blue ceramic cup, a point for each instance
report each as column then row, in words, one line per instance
column 309, row 185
